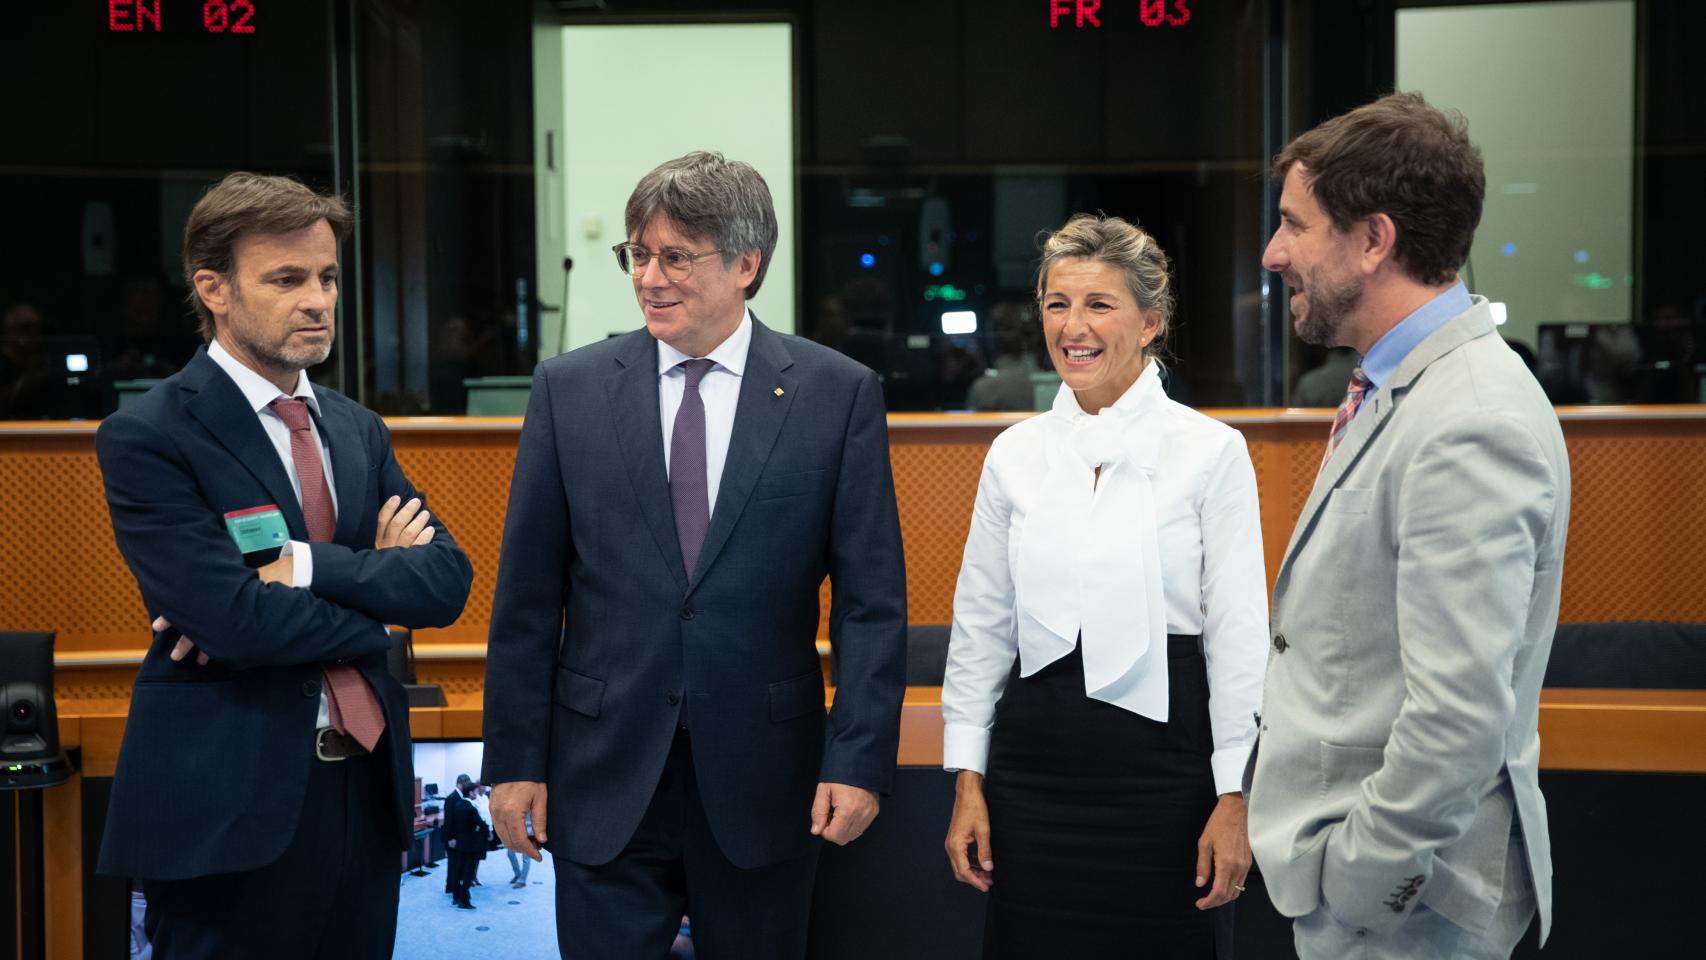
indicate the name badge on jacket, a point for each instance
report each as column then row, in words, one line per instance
column 257, row 528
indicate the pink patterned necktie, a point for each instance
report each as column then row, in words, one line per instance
column 351, row 705
column 1348, row 407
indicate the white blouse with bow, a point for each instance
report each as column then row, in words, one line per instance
column 1166, row 538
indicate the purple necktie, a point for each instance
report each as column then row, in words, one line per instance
column 689, row 490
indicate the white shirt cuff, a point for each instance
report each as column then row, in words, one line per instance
column 302, row 566
column 1228, row 764
column 965, row 747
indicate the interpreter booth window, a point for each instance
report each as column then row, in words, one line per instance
column 450, row 311
column 123, row 113
column 594, row 115
column 118, row 117
column 914, row 151
column 942, row 138
column 1586, row 112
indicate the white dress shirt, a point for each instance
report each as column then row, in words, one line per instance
column 261, row 392
column 1167, row 540
column 720, row 391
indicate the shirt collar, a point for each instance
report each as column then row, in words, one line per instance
column 1391, row 349
column 1137, row 397
column 730, row 354
column 258, row 390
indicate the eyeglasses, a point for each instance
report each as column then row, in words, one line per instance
column 677, row 264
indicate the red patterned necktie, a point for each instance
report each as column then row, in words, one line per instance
column 1359, row 388
column 351, row 706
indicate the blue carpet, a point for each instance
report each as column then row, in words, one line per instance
column 521, row 923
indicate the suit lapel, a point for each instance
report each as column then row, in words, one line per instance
column 633, row 394
column 1475, row 322
column 349, row 468
column 1362, row 430
column 759, row 413
column 225, row 412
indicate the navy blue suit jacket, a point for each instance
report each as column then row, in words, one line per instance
column 462, row 823
column 597, row 630
column 214, row 765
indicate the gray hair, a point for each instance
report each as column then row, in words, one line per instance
column 1120, row 244
column 710, row 197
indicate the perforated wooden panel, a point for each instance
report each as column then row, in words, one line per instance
column 935, row 486
column 465, row 477
column 104, row 690
column 59, row 565
column 1635, row 547
column 463, row 681
column 935, row 483
column 1286, row 458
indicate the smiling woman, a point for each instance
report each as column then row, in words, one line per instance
column 1112, row 600
column 1106, row 298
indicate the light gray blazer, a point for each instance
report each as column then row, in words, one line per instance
column 1412, row 618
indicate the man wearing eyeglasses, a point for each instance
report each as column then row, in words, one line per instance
column 653, row 691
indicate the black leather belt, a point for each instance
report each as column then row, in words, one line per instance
column 329, row 744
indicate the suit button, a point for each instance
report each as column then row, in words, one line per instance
column 687, row 613
column 1279, row 643
column 672, row 698
column 310, row 688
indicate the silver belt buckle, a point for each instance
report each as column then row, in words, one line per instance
column 320, row 742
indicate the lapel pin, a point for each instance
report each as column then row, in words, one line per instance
column 778, row 391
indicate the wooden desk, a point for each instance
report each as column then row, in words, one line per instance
column 1629, row 731
column 1645, row 731
column 1632, row 551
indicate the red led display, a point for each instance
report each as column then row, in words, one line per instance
column 218, row 16
column 1081, row 11
column 127, row 16
column 1088, row 13
column 143, row 16
column 1155, row 13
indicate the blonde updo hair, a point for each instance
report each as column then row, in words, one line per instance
column 1123, row 245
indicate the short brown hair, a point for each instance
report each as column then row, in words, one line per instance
column 1124, row 246
column 1407, row 159
column 245, row 203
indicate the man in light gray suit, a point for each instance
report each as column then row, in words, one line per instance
column 1395, row 806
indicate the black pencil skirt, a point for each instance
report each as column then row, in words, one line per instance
column 1094, row 817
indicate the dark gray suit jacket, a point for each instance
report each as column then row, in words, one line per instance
column 598, row 635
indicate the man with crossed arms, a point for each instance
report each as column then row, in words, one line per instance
column 273, row 536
